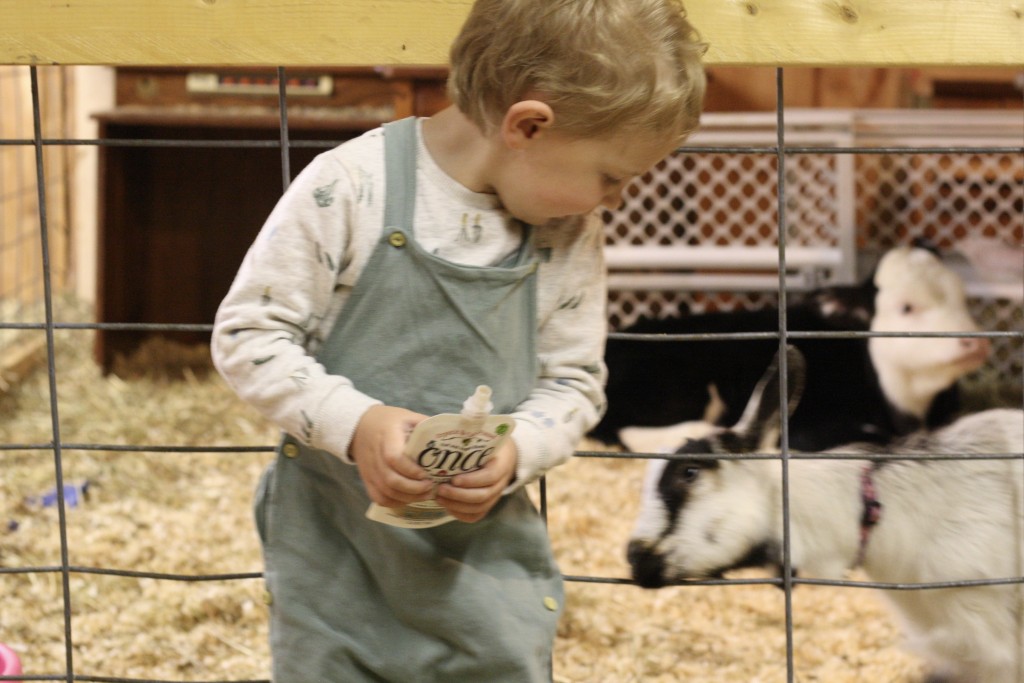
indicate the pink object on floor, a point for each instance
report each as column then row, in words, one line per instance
column 10, row 665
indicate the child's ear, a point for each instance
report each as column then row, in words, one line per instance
column 524, row 121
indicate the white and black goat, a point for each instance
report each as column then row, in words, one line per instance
column 857, row 390
column 901, row 516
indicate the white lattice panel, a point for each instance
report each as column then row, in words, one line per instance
column 946, row 197
column 731, row 199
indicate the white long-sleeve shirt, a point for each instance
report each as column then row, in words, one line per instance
column 297, row 275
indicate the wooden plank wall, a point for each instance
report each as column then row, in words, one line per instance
column 20, row 261
column 361, row 32
column 21, row 270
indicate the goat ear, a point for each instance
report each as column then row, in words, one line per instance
column 796, row 377
column 844, row 306
column 761, row 416
column 922, row 242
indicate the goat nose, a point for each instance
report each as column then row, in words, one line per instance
column 634, row 550
column 648, row 565
column 976, row 345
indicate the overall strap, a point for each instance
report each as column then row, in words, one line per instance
column 400, row 167
column 400, row 146
column 525, row 253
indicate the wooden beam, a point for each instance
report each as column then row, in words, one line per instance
column 369, row 32
column 862, row 32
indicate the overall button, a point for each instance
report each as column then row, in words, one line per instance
column 268, row 598
column 396, row 239
column 290, row 450
column 551, row 603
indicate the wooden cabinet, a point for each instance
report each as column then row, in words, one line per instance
column 191, row 166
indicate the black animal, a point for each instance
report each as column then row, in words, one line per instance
column 658, row 383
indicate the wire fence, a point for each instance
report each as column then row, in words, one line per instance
column 59, row 447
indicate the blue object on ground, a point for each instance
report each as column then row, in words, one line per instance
column 73, row 495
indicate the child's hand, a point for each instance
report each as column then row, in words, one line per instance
column 470, row 496
column 391, row 479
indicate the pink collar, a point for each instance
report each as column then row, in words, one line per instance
column 872, row 510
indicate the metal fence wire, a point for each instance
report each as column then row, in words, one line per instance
column 781, row 150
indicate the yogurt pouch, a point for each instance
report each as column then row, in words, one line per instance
column 447, row 445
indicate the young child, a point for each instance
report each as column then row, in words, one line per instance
column 406, row 267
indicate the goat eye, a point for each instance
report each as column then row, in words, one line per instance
column 908, row 309
column 690, row 474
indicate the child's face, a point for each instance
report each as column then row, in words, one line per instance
column 557, row 176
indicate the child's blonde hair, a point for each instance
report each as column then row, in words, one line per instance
column 604, row 66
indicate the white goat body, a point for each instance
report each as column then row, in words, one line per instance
column 942, row 520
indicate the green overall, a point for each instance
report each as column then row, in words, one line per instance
column 355, row 600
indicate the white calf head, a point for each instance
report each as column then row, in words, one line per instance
column 917, row 293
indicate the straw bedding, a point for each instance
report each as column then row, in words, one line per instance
column 189, row 513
